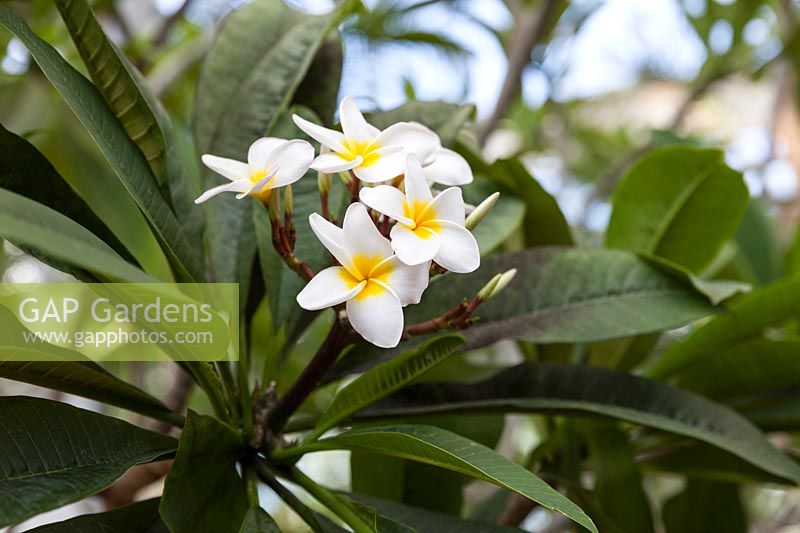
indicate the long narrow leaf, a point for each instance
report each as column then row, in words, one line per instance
column 82, row 378
column 54, row 454
column 384, row 379
column 35, row 225
column 111, row 76
column 125, row 158
column 430, row 445
column 592, row 391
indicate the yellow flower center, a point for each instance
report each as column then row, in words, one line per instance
column 366, row 149
column 423, row 216
column 258, row 175
column 373, row 270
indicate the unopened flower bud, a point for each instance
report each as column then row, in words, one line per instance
column 481, row 211
column 502, row 283
column 324, row 183
column 288, row 202
column 274, row 206
column 496, row 284
column 486, row 292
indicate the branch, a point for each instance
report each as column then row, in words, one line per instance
column 517, row 508
column 311, row 376
column 166, row 29
column 530, row 31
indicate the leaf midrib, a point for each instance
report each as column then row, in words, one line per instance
column 678, row 205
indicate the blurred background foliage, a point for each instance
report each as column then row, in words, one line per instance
column 578, row 90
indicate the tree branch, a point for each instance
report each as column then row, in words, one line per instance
column 530, row 30
column 311, row 376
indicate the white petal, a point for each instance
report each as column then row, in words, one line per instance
column 459, row 251
column 407, row 282
column 259, row 152
column 377, row 315
column 331, row 163
column 234, row 186
column 291, row 161
column 361, row 237
column 330, row 287
column 386, row 200
column 354, row 126
column 415, row 183
column 330, row 138
column 449, row 168
column 230, row 168
column 449, row 205
column 415, row 247
column 389, row 164
column 413, row 137
column 330, row 235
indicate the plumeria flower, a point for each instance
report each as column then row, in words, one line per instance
column 373, row 155
column 375, row 284
column 427, row 228
column 447, row 168
column 271, row 163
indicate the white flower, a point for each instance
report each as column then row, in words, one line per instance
column 375, row 284
column 427, row 228
column 447, row 167
column 271, row 163
column 373, row 155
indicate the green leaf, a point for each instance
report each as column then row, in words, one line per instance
column 567, row 295
column 427, row 444
column 259, row 58
column 320, row 88
column 203, row 492
column 705, row 506
column 591, row 391
column 544, row 222
column 698, row 460
column 680, row 203
column 759, row 253
column 35, row 225
column 559, row 295
column 418, row 484
column 257, row 520
column 82, row 378
column 385, row 379
column 125, row 158
column 443, row 118
column 54, row 454
column 424, row 521
column 139, row 517
column 48, row 187
column 618, row 482
column 716, row 291
column 749, row 368
column 116, row 83
column 745, row 319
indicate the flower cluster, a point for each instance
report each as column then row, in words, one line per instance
column 394, row 230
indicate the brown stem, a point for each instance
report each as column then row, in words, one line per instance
column 517, row 508
column 166, row 29
column 323, row 360
column 458, row 317
column 326, row 209
column 282, row 242
column 532, row 27
column 354, row 186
